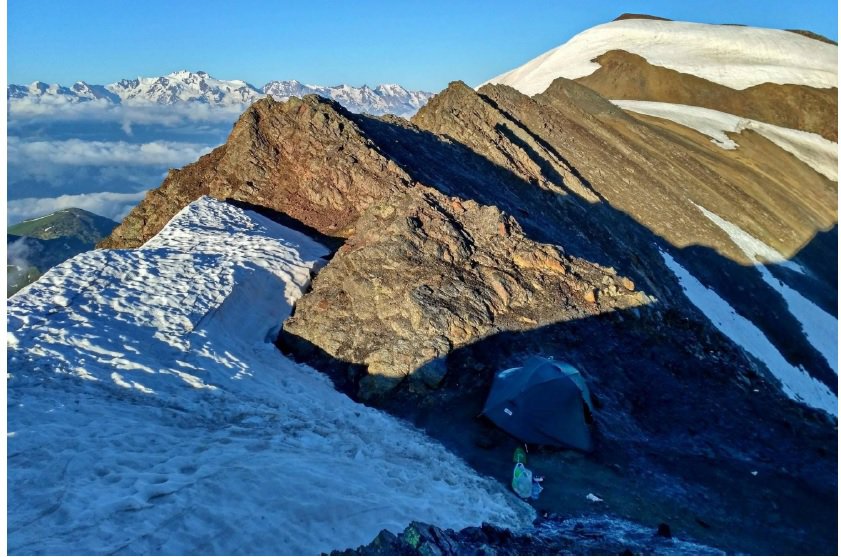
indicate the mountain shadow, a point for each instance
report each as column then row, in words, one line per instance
column 688, row 430
column 599, row 232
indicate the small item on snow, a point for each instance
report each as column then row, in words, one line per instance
column 594, row 498
column 523, row 481
column 754, row 473
column 664, row 530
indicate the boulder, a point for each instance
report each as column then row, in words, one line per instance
column 425, row 273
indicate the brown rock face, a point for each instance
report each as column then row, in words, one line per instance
column 426, row 273
column 624, row 75
column 305, row 158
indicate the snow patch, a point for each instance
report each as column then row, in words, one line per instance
column 735, row 56
column 796, row 382
column 820, row 328
column 819, row 153
column 193, row 434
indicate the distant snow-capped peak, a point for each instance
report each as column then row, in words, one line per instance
column 734, row 56
column 184, row 86
column 383, row 99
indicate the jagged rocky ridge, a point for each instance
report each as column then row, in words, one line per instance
column 587, row 195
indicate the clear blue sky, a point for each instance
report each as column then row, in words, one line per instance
column 419, row 44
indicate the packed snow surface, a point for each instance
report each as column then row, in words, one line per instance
column 796, row 382
column 735, row 56
column 816, row 151
column 820, row 327
column 150, row 413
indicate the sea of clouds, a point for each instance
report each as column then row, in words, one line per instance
column 99, row 156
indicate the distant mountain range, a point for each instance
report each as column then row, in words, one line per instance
column 200, row 87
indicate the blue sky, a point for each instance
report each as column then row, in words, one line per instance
column 419, row 44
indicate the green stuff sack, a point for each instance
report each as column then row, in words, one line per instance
column 520, row 455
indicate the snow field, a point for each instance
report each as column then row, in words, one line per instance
column 819, row 153
column 820, row 328
column 150, row 413
column 735, row 56
column 796, row 382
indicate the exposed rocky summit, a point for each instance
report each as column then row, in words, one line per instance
column 304, row 157
column 571, row 168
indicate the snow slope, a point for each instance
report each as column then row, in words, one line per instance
column 819, row 153
column 819, row 327
column 735, row 56
column 796, row 382
column 149, row 412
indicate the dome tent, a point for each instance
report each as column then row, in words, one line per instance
column 542, row 402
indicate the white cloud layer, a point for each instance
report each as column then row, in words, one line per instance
column 78, row 152
column 108, row 204
column 51, row 109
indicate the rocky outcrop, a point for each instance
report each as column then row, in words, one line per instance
column 624, row 75
column 813, row 35
column 427, row 273
column 304, row 157
column 641, row 16
column 550, row 535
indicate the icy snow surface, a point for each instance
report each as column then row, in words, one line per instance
column 819, row 153
column 819, row 327
column 148, row 411
column 735, row 56
column 796, row 382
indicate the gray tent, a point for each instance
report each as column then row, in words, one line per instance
column 542, row 403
